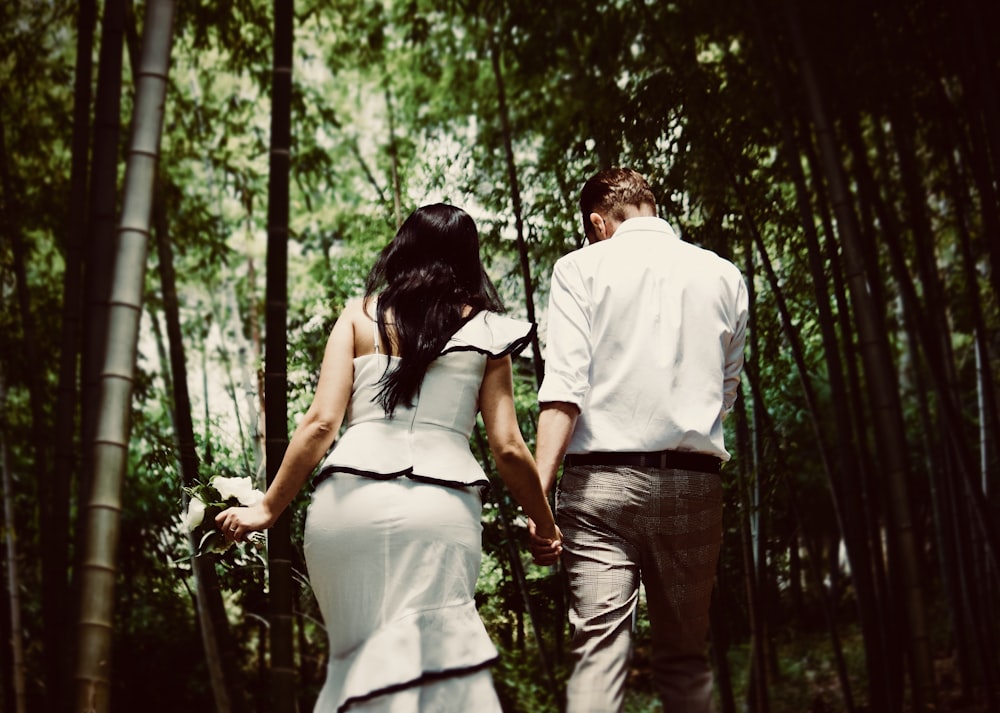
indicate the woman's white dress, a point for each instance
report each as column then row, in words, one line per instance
column 393, row 538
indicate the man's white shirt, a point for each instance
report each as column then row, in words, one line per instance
column 645, row 335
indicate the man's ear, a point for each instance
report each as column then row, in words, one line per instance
column 600, row 231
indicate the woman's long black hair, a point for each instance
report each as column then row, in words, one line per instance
column 425, row 278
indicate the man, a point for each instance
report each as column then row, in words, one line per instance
column 644, row 353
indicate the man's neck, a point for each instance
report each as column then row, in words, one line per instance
column 643, row 211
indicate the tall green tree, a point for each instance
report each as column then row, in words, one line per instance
column 397, row 103
column 13, row 580
column 884, row 398
column 56, row 501
column 111, row 435
column 99, row 248
column 212, row 617
column 276, row 355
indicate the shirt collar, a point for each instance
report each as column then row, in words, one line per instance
column 646, row 223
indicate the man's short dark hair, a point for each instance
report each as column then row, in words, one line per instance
column 608, row 192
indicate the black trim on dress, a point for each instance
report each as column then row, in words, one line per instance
column 408, row 473
column 425, row 677
column 515, row 347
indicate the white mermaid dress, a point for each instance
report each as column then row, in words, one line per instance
column 393, row 539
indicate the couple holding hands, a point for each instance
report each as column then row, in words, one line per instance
column 644, row 352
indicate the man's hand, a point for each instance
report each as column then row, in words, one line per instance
column 545, row 551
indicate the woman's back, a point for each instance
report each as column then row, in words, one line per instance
column 429, row 439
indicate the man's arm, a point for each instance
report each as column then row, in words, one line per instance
column 556, row 422
column 555, row 427
column 566, row 382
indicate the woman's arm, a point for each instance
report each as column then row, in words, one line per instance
column 513, row 459
column 312, row 438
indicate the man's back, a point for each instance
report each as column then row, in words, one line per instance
column 649, row 330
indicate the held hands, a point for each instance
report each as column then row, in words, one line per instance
column 544, row 550
column 238, row 522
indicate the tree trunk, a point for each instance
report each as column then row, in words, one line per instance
column 750, row 446
column 844, row 481
column 397, row 208
column 720, row 649
column 211, row 610
column 859, row 432
column 249, row 433
column 33, row 367
column 757, row 688
column 224, row 350
column 55, row 535
column 20, row 668
column 110, row 448
column 927, row 327
column 100, row 251
column 276, row 353
column 103, row 191
column 989, row 423
column 847, row 488
column 928, row 324
column 973, row 649
column 884, row 397
column 978, row 69
column 255, row 401
column 515, row 194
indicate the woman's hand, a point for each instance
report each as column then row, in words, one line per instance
column 236, row 523
column 545, row 546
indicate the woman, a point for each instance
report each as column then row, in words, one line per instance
column 393, row 532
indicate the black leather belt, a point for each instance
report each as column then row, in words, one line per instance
column 680, row 460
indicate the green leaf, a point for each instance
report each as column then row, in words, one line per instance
column 213, row 541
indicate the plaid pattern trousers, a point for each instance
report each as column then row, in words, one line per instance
column 621, row 524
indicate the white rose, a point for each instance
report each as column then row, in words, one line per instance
column 240, row 488
column 195, row 514
column 251, row 497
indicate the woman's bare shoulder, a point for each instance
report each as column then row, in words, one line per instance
column 360, row 314
column 357, row 308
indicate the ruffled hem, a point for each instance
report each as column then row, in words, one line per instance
column 423, row 647
column 492, row 334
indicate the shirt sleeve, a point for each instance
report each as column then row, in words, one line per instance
column 568, row 349
column 734, row 350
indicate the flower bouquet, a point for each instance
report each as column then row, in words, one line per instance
column 209, row 499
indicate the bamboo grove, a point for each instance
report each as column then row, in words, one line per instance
column 191, row 191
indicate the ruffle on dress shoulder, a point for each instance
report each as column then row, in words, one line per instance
column 426, row 646
column 493, row 334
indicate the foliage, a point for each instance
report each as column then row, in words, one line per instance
column 398, row 102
